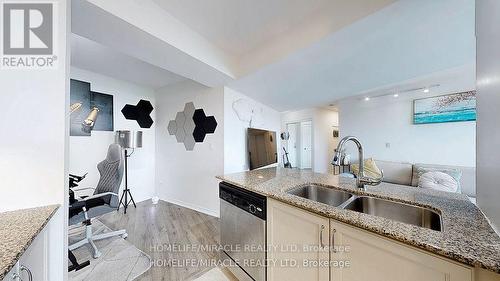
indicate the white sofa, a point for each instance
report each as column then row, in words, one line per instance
column 406, row 174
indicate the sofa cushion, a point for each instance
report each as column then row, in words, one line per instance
column 438, row 181
column 396, row 172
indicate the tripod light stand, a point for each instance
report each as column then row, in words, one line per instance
column 128, row 140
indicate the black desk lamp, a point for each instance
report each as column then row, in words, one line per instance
column 128, row 140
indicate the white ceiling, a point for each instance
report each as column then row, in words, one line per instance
column 240, row 26
column 92, row 56
column 405, row 40
column 360, row 46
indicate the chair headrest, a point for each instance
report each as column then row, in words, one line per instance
column 114, row 153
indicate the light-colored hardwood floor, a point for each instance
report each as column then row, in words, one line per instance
column 153, row 228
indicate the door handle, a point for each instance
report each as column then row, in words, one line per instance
column 321, row 236
column 333, row 240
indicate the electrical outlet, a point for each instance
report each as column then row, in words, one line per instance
column 387, row 145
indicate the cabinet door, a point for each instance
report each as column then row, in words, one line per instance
column 297, row 244
column 35, row 258
column 376, row 258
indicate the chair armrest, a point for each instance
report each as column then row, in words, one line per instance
column 76, row 208
column 82, row 188
column 95, row 200
column 89, row 202
column 100, row 195
column 81, row 193
column 78, row 205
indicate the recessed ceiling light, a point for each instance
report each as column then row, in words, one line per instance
column 395, row 95
column 426, row 90
column 367, row 98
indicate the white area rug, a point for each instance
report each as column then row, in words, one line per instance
column 120, row 260
column 216, row 274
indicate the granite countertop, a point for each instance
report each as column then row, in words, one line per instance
column 467, row 236
column 18, row 229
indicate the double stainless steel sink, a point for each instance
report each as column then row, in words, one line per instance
column 322, row 194
column 392, row 210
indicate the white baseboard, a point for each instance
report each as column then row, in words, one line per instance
column 200, row 209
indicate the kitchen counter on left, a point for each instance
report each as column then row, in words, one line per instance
column 18, row 229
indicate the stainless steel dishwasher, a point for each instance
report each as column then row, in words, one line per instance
column 243, row 231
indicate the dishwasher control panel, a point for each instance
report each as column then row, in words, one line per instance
column 248, row 201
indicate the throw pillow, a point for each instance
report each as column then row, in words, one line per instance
column 456, row 174
column 438, row 181
column 370, row 168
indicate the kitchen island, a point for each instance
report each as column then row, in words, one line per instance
column 466, row 236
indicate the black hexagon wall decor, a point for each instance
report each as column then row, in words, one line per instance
column 199, row 134
column 191, row 126
column 140, row 113
column 210, row 124
column 199, row 116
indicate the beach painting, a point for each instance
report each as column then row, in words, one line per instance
column 448, row 108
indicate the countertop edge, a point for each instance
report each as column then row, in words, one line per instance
column 30, row 241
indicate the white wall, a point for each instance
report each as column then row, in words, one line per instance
column 488, row 104
column 389, row 120
column 86, row 152
column 235, row 130
column 187, row 178
column 323, row 121
column 34, row 141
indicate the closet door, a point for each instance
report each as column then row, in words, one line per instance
column 306, row 145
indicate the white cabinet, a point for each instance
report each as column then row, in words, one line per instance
column 297, row 241
column 34, row 259
column 349, row 253
column 373, row 257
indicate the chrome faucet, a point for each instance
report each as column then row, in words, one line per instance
column 361, row 180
